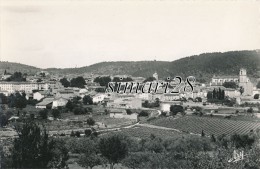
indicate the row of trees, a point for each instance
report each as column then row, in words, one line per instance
column 216, row 94
column 104, row 80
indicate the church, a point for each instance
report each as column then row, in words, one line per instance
column 242, row 80
column 245, row 82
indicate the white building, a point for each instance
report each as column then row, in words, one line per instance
column 219, row 80
column 99, row 98
column 232, row 93
column 26, row 87
column 121, row 113
column 40, row 95
column 59, row 102
column 127, row 103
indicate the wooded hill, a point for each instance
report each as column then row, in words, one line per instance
column 202, row 66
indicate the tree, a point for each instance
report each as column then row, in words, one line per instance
column 214, row 94
column 78, row 82
column 256, row 96
column 258, row 85
column 90, row 121
column 70, row 105
column 55, row 113
column 39, row 80
column 210, row 95
column 137, row 160
column 17, row 76
column 34, row 149
column 87, row 100
column 149, row 79
column 129, row 111
column 103, row 81
column 3, row 99
column 114, row 148
column 88, row 132
column 88, row 148
column 241, row 89
column 127, row 79
column 90, row 160
column 20, row 100
column 43, row 113
column 202, row 134
column 60, row 154
column 3, row 120
column 212, row 138
column 144, row 113
column 65, row 82
column 157, row 102
column 232, row 85
column 198, row 99
column 250, row 110
column 174, row 109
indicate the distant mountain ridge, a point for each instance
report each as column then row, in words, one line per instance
column 202, row 66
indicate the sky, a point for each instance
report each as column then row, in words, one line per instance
column 76, row 33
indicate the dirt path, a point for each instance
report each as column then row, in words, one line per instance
column 158, row 127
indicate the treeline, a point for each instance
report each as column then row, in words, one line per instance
column 104, row 80
column 17, row 77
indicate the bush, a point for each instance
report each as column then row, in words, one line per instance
column 88, row 132
column 256, row 96
column 163, row 113
column 144, row 113
column 55, row 113
column 128, row 111
column 72, row 134
column 176, row 109
column 90, row 121
column 43, row 113
column 198, row 99
column 77, row 134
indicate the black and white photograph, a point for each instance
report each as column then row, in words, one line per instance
column 129, row 84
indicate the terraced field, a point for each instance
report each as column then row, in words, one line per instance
column 209, row 125
column 145, row 132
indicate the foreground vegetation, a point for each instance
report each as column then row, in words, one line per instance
column 34, row 148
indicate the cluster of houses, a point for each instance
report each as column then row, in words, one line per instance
column 52, row 94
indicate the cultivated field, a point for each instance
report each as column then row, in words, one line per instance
column 145, row 132
column 210, row 125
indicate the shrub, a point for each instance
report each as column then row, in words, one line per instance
column 144, row 113
column 256, row 96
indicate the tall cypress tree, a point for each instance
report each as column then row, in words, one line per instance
column 219, row 93
column 214, row 94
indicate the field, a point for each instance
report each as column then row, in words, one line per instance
column 145, row 132
column 210, row 125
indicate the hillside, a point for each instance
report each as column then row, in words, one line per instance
column 12, row 67
column 202, row 66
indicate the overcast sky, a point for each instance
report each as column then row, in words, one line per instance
column 80, row 33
